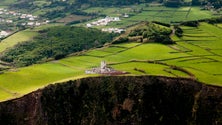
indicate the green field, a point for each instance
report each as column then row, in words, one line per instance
column 5, row 3
column 22, row 36
column 198, row 54
column 16, row 38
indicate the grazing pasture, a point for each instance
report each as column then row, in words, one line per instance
column 16, row 38
column 22, row 36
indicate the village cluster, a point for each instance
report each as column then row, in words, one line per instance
column 16, row 18
column 105, row 21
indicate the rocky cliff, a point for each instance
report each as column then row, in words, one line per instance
column 118, row 100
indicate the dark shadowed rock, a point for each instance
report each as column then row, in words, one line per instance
column 118, row 100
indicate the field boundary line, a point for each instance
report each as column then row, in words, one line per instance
column 174, row 67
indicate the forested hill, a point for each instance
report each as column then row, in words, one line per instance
column 55, row 42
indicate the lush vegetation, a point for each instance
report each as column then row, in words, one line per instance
column 153, row 32
column 215, row 3
column 55, row 42
column 147, row 32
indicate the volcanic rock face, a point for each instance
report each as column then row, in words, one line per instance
column 118, row 100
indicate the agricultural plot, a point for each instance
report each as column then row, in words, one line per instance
column 22, row 36
column 5, row 3
column 19, row 82
column 196, row 13
column 113, row 49
column 146, row 68
column 98, row 53
column 16, row 38
column 143, row 12
column 73, row 18
column 207, row 50
column 80, row 62
column 219, row 25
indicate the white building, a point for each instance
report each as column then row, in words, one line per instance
column 104, row 69
column 23, row 16
column 113, row 30
column 4, row 34
column 103, row 22
column 125, row 15
column 23, row 24
column 100, row 70
column 37, row 23
column 30, row 23
column 9, row 21
column 31, row 18
column 89, row 25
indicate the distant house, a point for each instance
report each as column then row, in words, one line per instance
column 23, row 16
column 23, row 24
column 116, row 19
column 4, row 34
column 89, row 25
column 30, row 23
column 9, row 21
column 37, row 23
column 31, row 18
column 125, row 15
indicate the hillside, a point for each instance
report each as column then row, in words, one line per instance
column 22, row 14
column 116, row 62
column 140, row 100
column 56, row 42
column 196, row 54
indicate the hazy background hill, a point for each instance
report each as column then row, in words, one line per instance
column 59, row 8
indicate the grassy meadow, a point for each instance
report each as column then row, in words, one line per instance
column 198, row 55
column 22, row 36
column 6, row 3
column 16, row 38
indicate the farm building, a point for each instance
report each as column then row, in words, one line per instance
column 104, row 69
